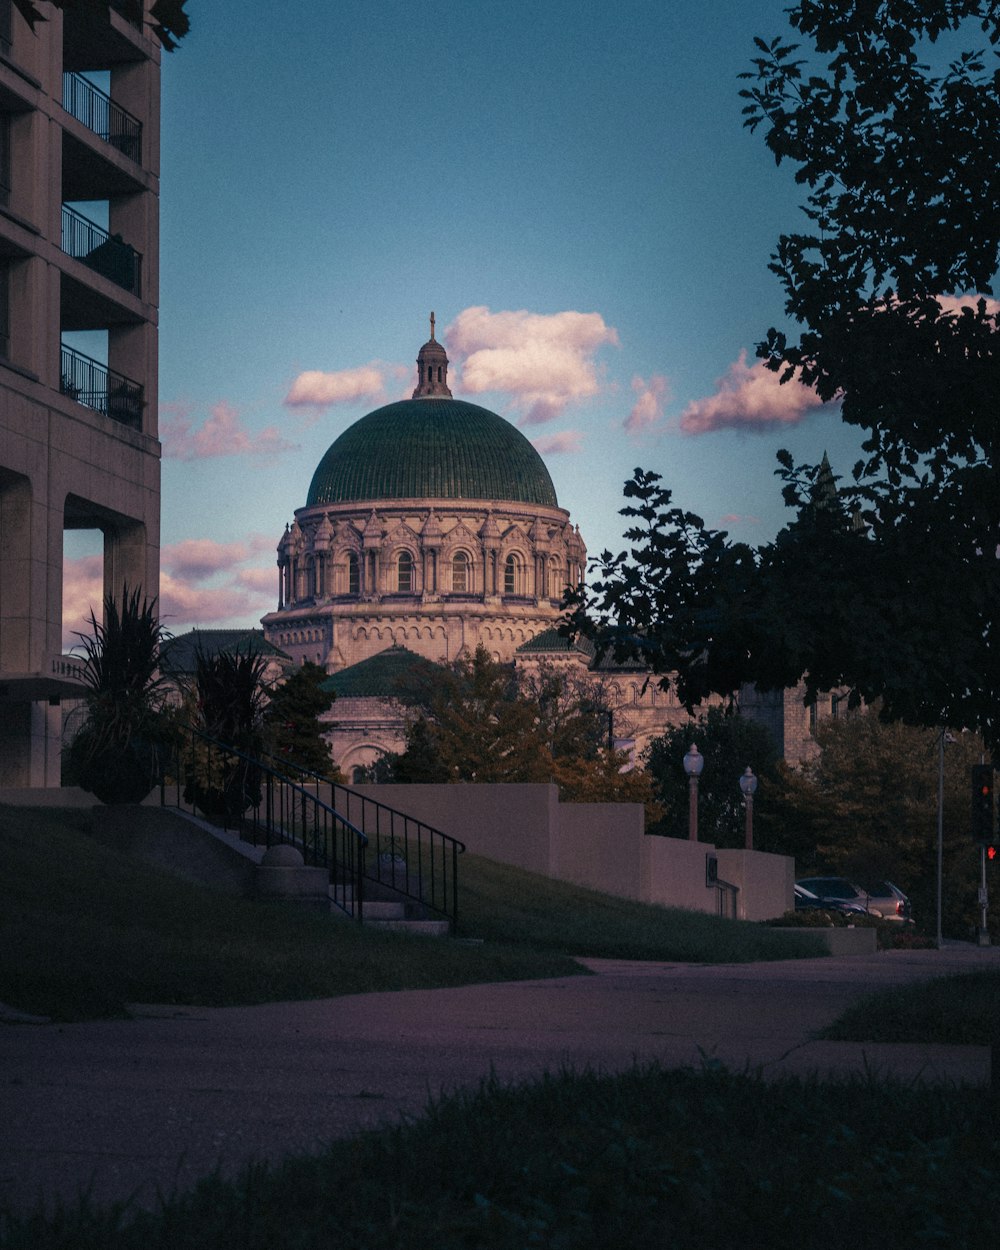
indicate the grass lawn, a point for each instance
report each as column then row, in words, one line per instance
column 649, row 1158
column 705, row 1160
column 86, row 927
column 959, row 1010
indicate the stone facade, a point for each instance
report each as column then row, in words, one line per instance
column 431, row 528
column 78, row 435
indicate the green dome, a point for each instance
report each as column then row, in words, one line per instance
column 432, row 448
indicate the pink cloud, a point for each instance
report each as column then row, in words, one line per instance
column 197, row 559
column 736, row 518
column 648, row 407
column 221, row 435
column 749, row 397
column 315, row 389
column 955, row 303
column 260, row 581
column 567, row 441
column 83, row 593
column 181, row 601
column 543, row 361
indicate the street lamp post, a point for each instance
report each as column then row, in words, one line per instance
column 694, row 762
column 748, row 784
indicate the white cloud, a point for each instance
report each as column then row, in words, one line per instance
column 955, row 303
column 648, row 407
column 567, row 441
column 222, row 434
column 543, row 361
column 315, row 389
column 749, row 397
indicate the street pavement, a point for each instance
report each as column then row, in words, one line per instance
column 127, row 1109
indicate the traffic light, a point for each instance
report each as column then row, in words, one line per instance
column 982, row 803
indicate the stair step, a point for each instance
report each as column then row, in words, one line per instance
column 419, row 928
column 384, row 911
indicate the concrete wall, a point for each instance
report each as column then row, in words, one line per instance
column 765, row 882
column 597, row 845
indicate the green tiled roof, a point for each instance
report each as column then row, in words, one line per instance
column 432, row 449
column 550, row 640
column 396, row 673
column 179, row 655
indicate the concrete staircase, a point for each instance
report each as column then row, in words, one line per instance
column 392, row 913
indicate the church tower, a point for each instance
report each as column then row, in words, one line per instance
column 432, row 369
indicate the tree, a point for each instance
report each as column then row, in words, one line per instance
column 890, row 589
column 291, row 720
column 166, row 18
column 730, row 743
column 473, row 726
column 869, row 805
column 479, row 720
column 116, row 755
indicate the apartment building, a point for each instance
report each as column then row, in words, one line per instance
column 79, row 243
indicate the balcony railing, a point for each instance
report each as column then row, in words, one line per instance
column 96, row 386
column 108, row 255
column 99, row 113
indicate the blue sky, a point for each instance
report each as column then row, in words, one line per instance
column 569, row 187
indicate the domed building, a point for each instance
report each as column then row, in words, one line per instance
column 430, row 524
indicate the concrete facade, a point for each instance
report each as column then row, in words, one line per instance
column 79, row 146
column 597, row 845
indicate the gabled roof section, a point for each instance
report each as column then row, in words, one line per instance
column 551, row 642
column 396, row 673
column 179, row 655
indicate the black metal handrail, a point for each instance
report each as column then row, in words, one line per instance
column 99, row 113
column 107, row 254
column 96, row 386
column 409, row 857
column 237, row 791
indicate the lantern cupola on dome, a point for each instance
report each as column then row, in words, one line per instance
column 432, row 369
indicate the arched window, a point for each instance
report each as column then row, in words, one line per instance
column 510, row 575
column 353, row 575
column 404, row 573
column 460, row 579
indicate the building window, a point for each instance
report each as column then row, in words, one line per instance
column 6, row 40
column 404, row 573
column 511, row 577
column 353, row 575
column 460, row 579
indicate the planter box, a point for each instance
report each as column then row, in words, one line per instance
column 861, row 941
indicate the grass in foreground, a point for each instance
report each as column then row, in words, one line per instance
column 646, row 1159
column 506, row 904
column 86, row 928
column 957, row 1010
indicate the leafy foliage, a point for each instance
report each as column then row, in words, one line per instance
column 479, row 720
column 869, row 803
column 167, row 18
column 291, row 720
column 730, row 743
column 891, row 592
column 116, row 754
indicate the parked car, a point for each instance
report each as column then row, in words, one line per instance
column 835, row 892
column 888, row 901
column 806, row 900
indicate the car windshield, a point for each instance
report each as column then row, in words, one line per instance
column 830, row 887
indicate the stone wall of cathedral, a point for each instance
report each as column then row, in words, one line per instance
column 437, row 578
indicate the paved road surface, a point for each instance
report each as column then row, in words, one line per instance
column 124, row 1107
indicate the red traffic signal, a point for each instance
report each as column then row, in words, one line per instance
column 991, row 852
column 982, row 802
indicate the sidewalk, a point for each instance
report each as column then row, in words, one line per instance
column 131, row 1107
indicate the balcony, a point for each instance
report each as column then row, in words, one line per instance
column 105, row 253
column 96, row 386
column 98, row 112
